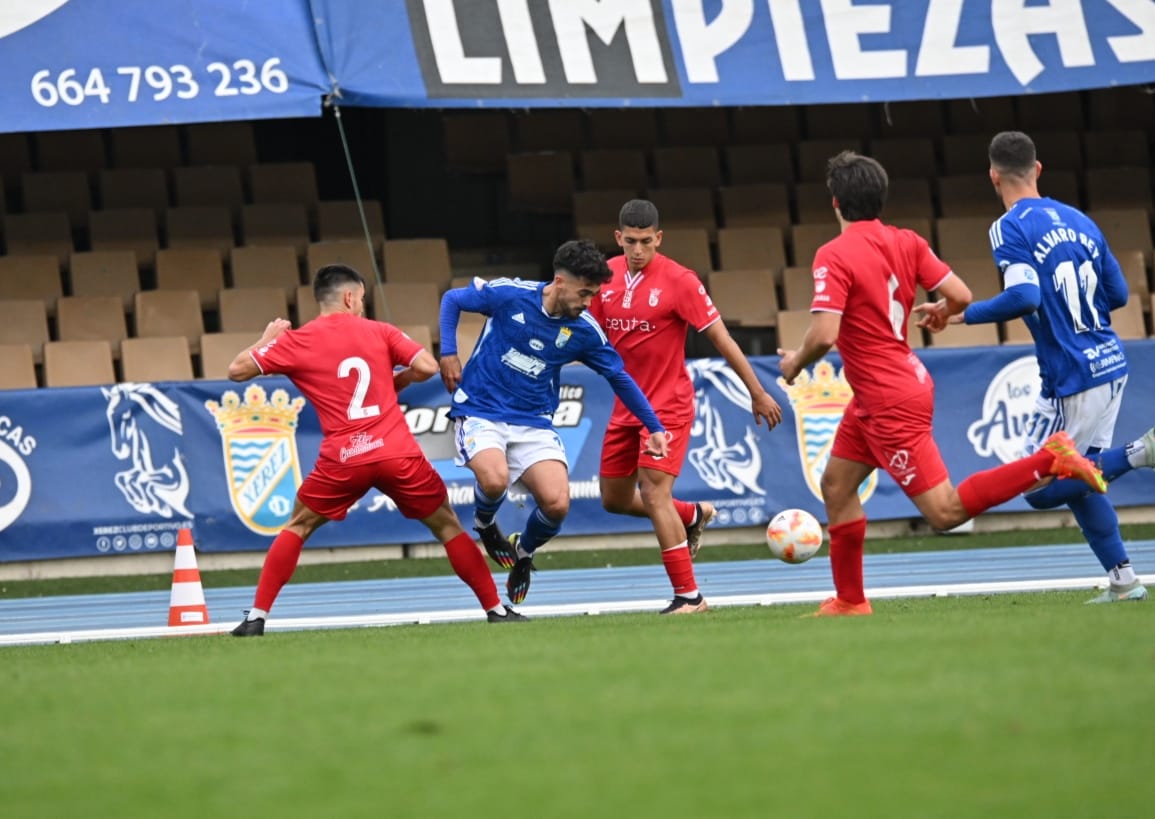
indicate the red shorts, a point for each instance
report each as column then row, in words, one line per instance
column 899, row 439
column 412, row 483
column 624, row 450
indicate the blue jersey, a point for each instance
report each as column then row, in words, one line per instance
column 1059, row 251
column 513, row 375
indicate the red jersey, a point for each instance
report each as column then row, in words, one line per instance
column 646, row 315
column 344, row 366
column 868, row 275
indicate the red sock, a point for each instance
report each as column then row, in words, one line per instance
column 991, row 487
column 680, row 570
column 686, row 511
column 846, row 542
column 280, row 563
column 470, row 566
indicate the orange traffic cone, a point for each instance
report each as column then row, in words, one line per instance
column 187, row 604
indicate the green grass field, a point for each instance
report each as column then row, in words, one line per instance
column 1016, row 705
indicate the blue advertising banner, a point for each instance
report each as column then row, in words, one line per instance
column 117, row 470
column 100, row 63
column 96, row 63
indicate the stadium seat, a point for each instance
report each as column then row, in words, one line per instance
column 1122, row 107
column 908, row 197
column 276, row 224
column 745, row 298
column 1061, row 185
column 201, row 228
column 159, row 358
column 906, row 156
column 1116, row 148
column 806, row 238
column 221, row 143
column 154, row 146
column 32, row 234
column 306, row 304
column 72, row 150
column 623, row 128
column 1125, row 229
column 78, row 364
column 549, row 129
column 476, row 141
column 797, row 287
column 417, row 260
column 751, row 248
column 161, row 313
column 1062, row 111
column 1058, row 150
column 354, row 253
column 15, row 159
column 408, row 303
column 284, row 182
column 813, row 202
column 131, row 229
column 31, row 277
column 17, row 370
column 980, row 275
column 209, row 186
column 92, row 318
column 58, row 192
column 966, row 154
column 540, row 182
column 421, row 333
column 985, row 116
column 765, row 125
column 792, row 326
column 468, row 332
column 912, row 118
column 755, row 164
column 683, row 208
column 1114, row 188
column 765, row 203
column 921, row 225
column 595, row 215
column 1127, row 321
column 1016, row 332
column 963, row 237
column 836, row 121
column 191, row 268
column 814, row 154
column 271, row 266
column 689, row 247
column 968, row 195
column 25, row 321
column 687, row 167
column 250, row 309
column 694, row 126
column 341, row 220
column 106, row 273
column 613, row 170
column 134, row 188
column 218, row 351
column 1134, row 271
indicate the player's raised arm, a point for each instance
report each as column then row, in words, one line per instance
column 244, row 366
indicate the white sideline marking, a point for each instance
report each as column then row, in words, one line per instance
column 569, row 610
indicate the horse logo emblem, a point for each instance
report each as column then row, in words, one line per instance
column 145, row 427
column 819, row 401
column 723, row 465
column 258, row 440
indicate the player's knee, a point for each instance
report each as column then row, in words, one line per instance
column 946, row 516
column 493, row 483
column 835, row 490
column 655, row 496
column 555, row 507
column 614, row 505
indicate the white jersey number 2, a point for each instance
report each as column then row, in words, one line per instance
column 357, row 408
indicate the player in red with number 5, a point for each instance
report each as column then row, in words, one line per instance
column 351, row 369
column 646, row 310
column 864, row 286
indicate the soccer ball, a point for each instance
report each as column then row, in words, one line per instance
column 794, row 536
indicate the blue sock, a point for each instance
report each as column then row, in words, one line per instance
column 538, row 531
column 1112, row 463
column 484, row 507
column 1100, row 525
column 1062, row 492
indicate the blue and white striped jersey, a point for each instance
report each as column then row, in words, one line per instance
column 513, row 374
column 1046, row 244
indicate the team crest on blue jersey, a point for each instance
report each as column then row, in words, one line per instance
column 563, row 336
column 258, row 439
column 819, row 400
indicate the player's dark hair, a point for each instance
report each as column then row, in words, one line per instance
column 638, row 213
column 582, row 259
column 1012, row 153
column 332, row 278
column 859, row 183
